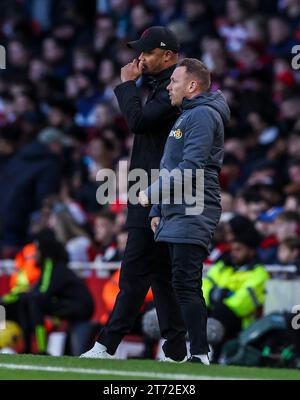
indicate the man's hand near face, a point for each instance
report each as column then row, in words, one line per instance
column 132, row 71
column 143, row 199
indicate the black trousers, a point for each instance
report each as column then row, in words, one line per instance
column 146, row 263
column 187, row 264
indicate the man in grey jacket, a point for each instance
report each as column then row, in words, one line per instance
column 194, row 151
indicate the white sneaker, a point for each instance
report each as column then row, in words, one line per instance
column 200, row 358
column 168, row 359
column 98, row 351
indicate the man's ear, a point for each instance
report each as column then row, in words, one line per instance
column 192, row 86
column 168, row 55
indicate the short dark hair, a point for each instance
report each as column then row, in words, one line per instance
column 289, row 216
column 50, row 247
column 198, row 69
column 292, row 243
column 106, row 214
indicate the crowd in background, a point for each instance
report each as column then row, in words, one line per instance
column 60, row 123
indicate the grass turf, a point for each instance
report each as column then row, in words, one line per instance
column 113, row 369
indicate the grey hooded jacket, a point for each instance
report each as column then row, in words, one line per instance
column 195, row 146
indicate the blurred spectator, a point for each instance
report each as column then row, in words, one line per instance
column 26, row 275
column 58, row 293
column 226, row 202
column 141, row 18
column 199, row 17
column 294, row 175
column 100, row 155
column 215, row 57
column 38, row 69
column 54, row 53
column 17, row 57
column 120, row 220
column 250, row 204
column 122, row 236
column 256, row 28
column 31, row 175
column 83, row 59
column 235, row 226
column 105, row 247
column 231, row 173
column 266, row 187
column 119, row 10
column 68, row 232
column 289, row 253
column 291, row 9
column 102, row 116
column 236, row 147
column 289, row 109
column 292, row 203
column 108, row 77
column 234, row 31
column 167, row 11
column 65, row 30
column 60, row 114
column 234, row 290
column 9, row 136
column 287, row 225
column 263, row 129
column 105, row 36
column 280, row 35
column 88, row 96
column 265, row 225
column 293, row 145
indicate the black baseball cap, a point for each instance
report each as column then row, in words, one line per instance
column 156, row 37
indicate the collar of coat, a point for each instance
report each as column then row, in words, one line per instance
column 164, row 74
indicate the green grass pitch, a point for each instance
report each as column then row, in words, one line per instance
column 43, row 367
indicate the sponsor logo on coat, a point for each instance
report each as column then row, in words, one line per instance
column 177, row 134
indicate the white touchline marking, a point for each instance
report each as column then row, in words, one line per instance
column 91, row 371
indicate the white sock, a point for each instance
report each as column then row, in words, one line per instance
column 203, row 357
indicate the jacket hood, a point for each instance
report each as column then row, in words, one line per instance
column 215, row 100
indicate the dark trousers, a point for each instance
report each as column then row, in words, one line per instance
column 145, row 263
column 187, row 264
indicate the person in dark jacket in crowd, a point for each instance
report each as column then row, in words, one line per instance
column 58, row 293
column 145, row 262
column 195, row 144
column 30, row 176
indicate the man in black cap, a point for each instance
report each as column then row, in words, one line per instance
column 145, row 262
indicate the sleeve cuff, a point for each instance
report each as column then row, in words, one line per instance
column 155, row 211
column 124, row 87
